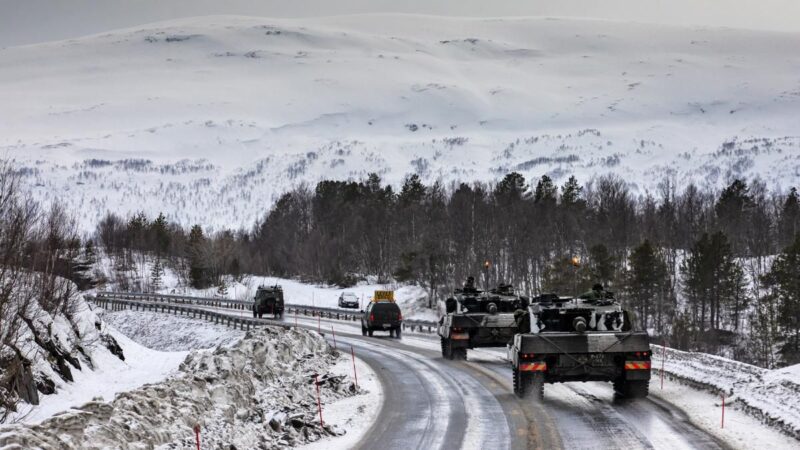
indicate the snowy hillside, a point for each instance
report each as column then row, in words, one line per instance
column 209, row 119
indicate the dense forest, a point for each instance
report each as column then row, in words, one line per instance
column 712, row 271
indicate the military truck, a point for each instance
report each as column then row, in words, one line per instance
column 588, row 338
column 268, row 300
column 474, row 318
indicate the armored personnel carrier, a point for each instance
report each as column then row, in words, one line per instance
column 268, row 300
column 589, row 338
column 474, row 318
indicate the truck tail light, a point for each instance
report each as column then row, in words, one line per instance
column 400, row 316
column 533, row 367
column 372, row 317
column 637, row 365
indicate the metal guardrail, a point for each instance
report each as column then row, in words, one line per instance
column 422, row 326
column 236, row 322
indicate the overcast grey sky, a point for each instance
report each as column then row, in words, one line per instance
column 30, row 21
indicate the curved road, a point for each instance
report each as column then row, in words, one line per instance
column 479, row 392
column 433, row 403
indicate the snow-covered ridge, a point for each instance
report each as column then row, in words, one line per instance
column 209, row 119
column 772, row 396
column 257, row 392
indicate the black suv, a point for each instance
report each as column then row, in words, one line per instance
column 384, row 316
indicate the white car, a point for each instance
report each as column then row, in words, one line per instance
column 348, row 300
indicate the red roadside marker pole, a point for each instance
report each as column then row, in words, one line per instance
column 334, row 338
column 319, row 402
column 355, row 374
column 319, row 323
column 197, row 435
column 722, row 425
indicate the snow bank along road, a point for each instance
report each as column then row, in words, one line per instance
column 434, row 403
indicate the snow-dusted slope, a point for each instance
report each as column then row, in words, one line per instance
column 254, row 106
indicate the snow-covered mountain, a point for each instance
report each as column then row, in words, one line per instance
column 210, row 119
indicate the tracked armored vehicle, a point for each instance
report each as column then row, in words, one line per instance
column 268, row 300
column 474, row 318
column 589, row 338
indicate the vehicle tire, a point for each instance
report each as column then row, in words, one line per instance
column 536, row 386
column 260, row 315
column 254, row 313
column 520, row 382
column 369, row 332
column 446, row 349
column 632, row 388
column 391, row 332
column 397, row 332
column 459, row 354
column 363, row 331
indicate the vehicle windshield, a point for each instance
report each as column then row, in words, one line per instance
column 349, row 295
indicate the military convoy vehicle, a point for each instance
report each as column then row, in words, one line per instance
column 589, row 338
column 474, row 318
column 383, row 314
column 268, row 300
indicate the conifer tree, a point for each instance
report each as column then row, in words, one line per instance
column 156, row 275
column 647, row 285
column 713, row 282
column 789, row 220
column 784, row 280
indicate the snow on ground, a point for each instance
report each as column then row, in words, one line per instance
column 354, row 414
column 222, row 114
column 76, row 358
column 109, row 377
column 771, row 396
column 258, row 393
column 168, row 333
column 741, row 431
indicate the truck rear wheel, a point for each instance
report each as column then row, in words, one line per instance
column 363, row 331
column 536, row 386
column 369, row 332
column 529, row 385
column 397, row 332
column 459, row 354
column 520, row 381
column 446, row 349
column 632, row 388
